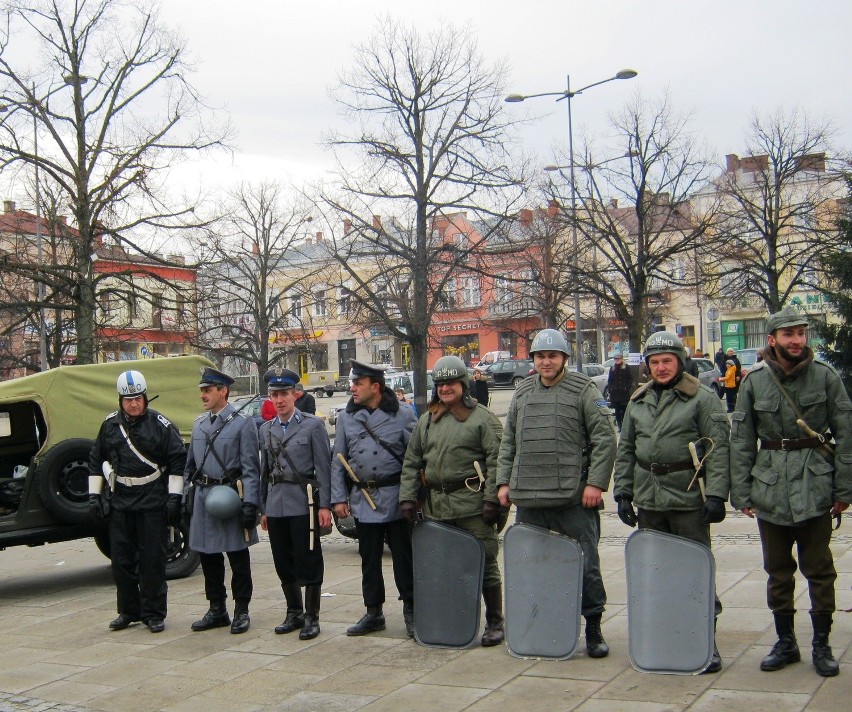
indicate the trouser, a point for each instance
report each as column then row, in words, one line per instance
column 213, row 566
column 687, row 524
column 812, row 539
column 731, row 399
column 487, row 535
column 371, row 544
column 619, row 409
column 295, row 561
column 138, row 540
column 584, row 526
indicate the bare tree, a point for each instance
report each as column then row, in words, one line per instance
column 778, row 211
column 113, row 108
column 636, row 227
column 252, row 258
column 432, row 142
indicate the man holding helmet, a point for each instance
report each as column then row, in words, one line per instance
column 555, row 461
column 451, row 438
column 223, row 471
column 654, row 466
column 140, row 455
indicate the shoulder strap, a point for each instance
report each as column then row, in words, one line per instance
column 133, row 449
column 381, row 442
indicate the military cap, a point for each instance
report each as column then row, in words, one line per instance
column 212, row 377
column 359, row 369
column 788, row 316
column 280, row 379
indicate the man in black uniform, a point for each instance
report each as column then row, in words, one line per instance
column 305, row 402
column 135, row 449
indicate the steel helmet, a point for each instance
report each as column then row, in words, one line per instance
column 222, row 502
column 450, row 368
column 549, row 340
column 131, row 384
column 664, row 342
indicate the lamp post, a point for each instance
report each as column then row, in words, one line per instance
column 42, row 330
column 569, row 94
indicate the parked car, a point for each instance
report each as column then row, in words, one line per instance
column 508, row 373
column 599, row 375
column 250, row 407
column 708, row 375
column 747, row 357
column 48, row 423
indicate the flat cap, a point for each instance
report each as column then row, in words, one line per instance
column 280, row 379
column 359, row 369
column 788, row 316
column 212, row 377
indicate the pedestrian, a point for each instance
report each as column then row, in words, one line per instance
column 690, row 366
column 479, row 388
column 141, row 455
column 454, row 435
column 729, row 382
column 654, row 468
column 267, row 410
column 371, row 435
column 719, row 359
column 798, row 479
column 555, row 461
column 222, row 461
column 399, row 392
column 305, row 402
column 295, row 500
column 731, row 355
column 620, row 386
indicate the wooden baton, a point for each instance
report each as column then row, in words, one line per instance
column 354, row 478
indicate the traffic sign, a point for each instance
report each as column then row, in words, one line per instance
column 712, row 313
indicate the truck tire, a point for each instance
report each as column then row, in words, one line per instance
column 62, row 480
column 181, row 561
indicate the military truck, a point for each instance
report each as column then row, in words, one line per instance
column 48, row 422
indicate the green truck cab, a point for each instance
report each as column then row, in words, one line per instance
column 48, row 423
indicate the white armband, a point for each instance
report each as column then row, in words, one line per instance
column 176, row 484
column 96, row 484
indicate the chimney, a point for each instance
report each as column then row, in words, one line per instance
column 811, row 162
column 732, row 162
column 318, row 237
column 552, row 208
column 255, row 249
column 613, row 202
column 525, row 216
column 309, row 240
column 63, row 219
column 8, row 206
column 377, row 222
column 347, row 226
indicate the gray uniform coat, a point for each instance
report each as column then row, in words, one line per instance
column 368, row 459
column 237, row 448
column 306, row 443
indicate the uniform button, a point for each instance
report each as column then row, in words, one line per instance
column 375, row 452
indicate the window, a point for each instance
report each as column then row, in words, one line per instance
column 448, row 296
column 319, row 303
column 296, row 305
column 470, row 292
column 344, row 301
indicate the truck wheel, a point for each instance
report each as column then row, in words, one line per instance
column 62, row 480
column 181, row 561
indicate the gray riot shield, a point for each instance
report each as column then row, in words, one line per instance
column 448, row 568
column 544, row 585
column 670, row 603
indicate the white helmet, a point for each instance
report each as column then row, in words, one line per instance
column 131, row 384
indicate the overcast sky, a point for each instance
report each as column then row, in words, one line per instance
column 272, row 63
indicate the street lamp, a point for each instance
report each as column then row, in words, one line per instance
column 569, row 94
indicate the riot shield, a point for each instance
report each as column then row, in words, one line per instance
column 670, row 603
column 448, row 568
column 544, row 586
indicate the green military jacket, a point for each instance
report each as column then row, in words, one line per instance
column 445, row 445
column 658, row 429
column 787, row 487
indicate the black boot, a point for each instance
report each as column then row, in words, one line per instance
column 493, row 635
column 370, row 622
column 123, row 620
column 786, row 650
column 241, row 618
column 596, row 646
column 824, row 661
column 716, row 661
column 311, row 628
column 408, row 617
column 295, row 618
column 216, row 617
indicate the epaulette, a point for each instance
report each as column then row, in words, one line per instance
column 114, row 413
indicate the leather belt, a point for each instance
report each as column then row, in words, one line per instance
column 448, row 487
column 281, row 479
column 791, row 443
column 659, row 468
column 136, row 481
column 373, row 484
column 206, row 481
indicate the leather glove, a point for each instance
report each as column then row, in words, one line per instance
column 174, row 510
column 249, row 515
column 713, row 510
column 490, row 512
column 626, row 513
column 96, row 507
column 408, row 507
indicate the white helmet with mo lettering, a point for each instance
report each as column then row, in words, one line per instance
column 131, row 384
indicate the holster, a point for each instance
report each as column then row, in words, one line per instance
column 106, row 502
column 189, row 500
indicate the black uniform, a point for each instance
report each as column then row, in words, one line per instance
column 137, row 524
column 306, row 403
